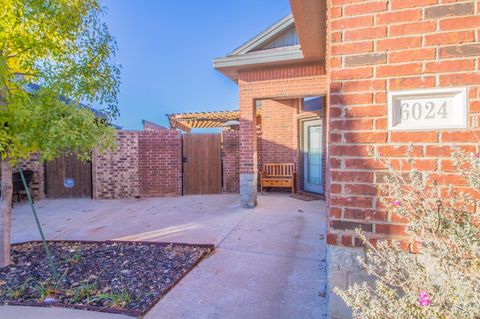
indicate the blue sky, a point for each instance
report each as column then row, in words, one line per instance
column 166, row 50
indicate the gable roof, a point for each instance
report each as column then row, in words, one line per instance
column 266, row 36
column 278, row 43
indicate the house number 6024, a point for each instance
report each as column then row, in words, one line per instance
column 426, row 111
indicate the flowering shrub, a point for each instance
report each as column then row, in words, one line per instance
column 442, row 280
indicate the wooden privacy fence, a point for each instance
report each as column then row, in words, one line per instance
column 202, row 164
column 68, row 177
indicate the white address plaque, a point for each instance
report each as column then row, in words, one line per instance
column 444, row 108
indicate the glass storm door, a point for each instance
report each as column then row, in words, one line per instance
column 312, row 156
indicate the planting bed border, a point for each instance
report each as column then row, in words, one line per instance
column 131, row 313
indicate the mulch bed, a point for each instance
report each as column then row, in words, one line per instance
column 117, row 277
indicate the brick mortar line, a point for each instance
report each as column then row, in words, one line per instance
column 423, row 18
column 441, row 59
column 412, row 35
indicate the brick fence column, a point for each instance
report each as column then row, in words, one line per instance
column 248, row 150
column 231, row 153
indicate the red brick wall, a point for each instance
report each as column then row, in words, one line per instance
column 145, row 164
column 283, row 72
column 160, row 163
column 230, row 154
column 375, row 47
column 278, row 142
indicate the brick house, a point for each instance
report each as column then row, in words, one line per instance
column 380, row 64
column 289, row 92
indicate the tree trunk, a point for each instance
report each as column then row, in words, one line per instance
column 5, row 213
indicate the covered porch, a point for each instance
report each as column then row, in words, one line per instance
column 289, row 131
column 280, row 75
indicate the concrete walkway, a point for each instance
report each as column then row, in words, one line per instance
column 17, row 312
column 190, row 219
column 269, row 261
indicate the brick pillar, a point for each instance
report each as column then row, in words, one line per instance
column 248, row 151
column 231, row 153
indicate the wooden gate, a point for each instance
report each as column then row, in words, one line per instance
column 68, row 177
column 202, row 164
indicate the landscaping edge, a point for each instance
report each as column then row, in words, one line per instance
column 131, row 313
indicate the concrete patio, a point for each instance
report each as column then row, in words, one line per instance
column 269, row 261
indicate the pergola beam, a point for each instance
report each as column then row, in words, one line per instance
column 188, row 121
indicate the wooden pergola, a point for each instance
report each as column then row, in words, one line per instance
column 188, row 121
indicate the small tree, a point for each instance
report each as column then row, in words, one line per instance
column 63, row 47
column 443, row 279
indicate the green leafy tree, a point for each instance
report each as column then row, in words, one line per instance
column 67, row 51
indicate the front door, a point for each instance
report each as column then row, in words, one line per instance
column 312, row 156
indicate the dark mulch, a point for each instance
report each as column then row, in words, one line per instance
column 105, row 276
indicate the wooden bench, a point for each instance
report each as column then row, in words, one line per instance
column 278, row 175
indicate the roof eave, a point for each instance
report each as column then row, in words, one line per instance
column 310, row 23
column 231, row 65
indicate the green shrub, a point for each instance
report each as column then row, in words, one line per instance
column 442, row 279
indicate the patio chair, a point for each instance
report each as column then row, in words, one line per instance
column 18, row 187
